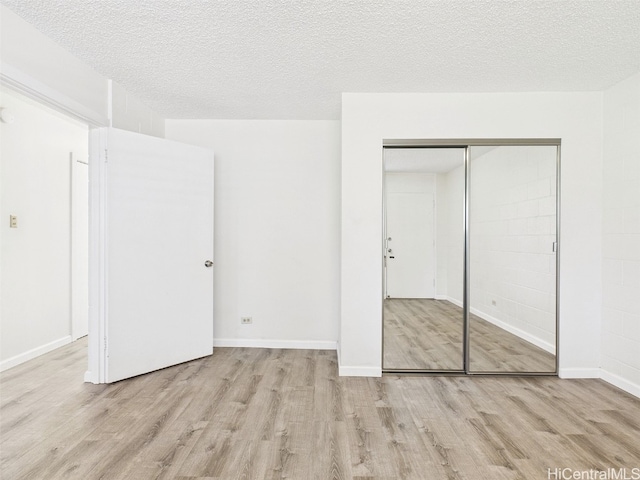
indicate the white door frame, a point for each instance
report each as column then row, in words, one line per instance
column 96, row 372
column 79, row 247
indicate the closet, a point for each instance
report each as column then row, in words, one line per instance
column 470, row 256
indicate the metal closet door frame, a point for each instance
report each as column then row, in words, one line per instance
column 467, row 144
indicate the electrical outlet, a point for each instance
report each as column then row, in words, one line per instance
column 13, row 221
column 246, row 320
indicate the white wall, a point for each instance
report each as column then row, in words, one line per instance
column 277, row 221
column 35, row 314
column 367, row 119
column 453, row 186
column 129, row 113
column 442, row 236
column 621, row 246
column 34, row 65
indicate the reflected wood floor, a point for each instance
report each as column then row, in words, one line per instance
column 272, row 414
column 427, row 334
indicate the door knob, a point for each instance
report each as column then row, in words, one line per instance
column 208, row 264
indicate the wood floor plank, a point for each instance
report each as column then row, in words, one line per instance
column 273, row 414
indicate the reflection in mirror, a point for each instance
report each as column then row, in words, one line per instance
column 423, row 258
column 512, row 228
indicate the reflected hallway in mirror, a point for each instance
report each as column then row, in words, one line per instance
column 423, row 258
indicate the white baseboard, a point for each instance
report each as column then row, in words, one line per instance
column 567, row 373
column 622, row 383
column 33, row 353
column 345, row 371
column 285, row 344
column 612, row 378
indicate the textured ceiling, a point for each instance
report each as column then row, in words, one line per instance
column 291, row 59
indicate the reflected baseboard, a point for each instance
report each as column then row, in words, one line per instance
column 455, row 301
column 537, row 341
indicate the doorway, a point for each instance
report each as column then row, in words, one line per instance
column 44, row 292
column 495, row 246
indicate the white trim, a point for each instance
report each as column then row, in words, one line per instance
column 36, row 90
column 264, row 343
column 79, row 275
column 345, row 371
column 34, row 352
column 97, row 255
column 567, row 373
column 622, row 383
column 89, row 377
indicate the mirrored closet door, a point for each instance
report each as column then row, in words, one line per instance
column 424, row 258
column 470, row 256
column 512, row 256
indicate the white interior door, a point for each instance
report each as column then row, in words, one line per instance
column 411, row 240
column 154, row 306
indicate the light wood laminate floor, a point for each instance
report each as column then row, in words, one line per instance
column 272, row 414
column 427, row 334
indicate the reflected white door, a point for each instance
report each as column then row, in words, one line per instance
column 155, row 208
column 411, row 261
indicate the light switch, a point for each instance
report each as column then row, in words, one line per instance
column 13, row 221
